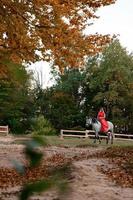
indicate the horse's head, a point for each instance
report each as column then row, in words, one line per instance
column 88, row 121
column 91, row 121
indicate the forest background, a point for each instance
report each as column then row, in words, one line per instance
column 89, row 71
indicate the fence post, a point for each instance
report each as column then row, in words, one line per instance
column 86, row 133
column 7, row 130
column 61, row 134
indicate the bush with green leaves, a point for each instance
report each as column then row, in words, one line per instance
column 42, row 126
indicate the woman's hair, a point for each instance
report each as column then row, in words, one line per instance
column 101, row 109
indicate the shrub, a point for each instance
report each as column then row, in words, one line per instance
column 42, row 126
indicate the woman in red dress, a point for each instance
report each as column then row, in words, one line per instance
column 101, row 117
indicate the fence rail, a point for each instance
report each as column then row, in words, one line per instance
column 91, row 133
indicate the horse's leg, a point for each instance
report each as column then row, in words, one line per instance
column 112, row 137
column 96, row 136
column 95, row 139
column 99, row 140
column 107, row 139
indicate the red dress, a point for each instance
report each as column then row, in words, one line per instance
column 104, row 123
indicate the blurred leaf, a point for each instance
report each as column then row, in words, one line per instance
column 35, row 157
column 40, row 186
column 18, row 166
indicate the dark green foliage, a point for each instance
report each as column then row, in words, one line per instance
column 16, row 100
column 31, row 150
column 32, row 188
column 62, row 103
column 109, row 83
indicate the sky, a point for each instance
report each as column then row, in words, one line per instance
column 114, row 19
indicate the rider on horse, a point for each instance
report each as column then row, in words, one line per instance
column 101, row 117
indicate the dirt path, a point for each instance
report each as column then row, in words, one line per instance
column 91, row 184
column 87, row 182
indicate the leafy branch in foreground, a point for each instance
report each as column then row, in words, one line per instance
column 57, row 176
column 57, row 180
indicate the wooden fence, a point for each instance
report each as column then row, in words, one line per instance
column 91, row 134
column 4, row 130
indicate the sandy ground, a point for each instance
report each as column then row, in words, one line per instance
column 87, row 182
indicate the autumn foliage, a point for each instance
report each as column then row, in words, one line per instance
column 50, row 30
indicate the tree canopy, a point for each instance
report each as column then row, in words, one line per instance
column 61, row 104
column 16, row 102
column 49, row 29
column 109, row 82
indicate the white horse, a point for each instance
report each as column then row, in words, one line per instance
column 96, row 126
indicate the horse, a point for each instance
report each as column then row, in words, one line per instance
column 96, row 126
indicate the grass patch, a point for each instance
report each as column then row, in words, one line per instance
column 74, row 142
column 84, row 142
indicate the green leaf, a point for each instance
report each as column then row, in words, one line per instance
column 40, row 186
column 35, row 157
